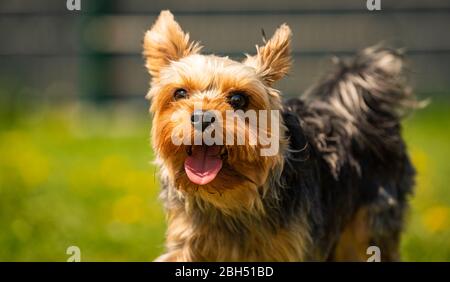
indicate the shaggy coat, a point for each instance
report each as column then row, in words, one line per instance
column 339, row 184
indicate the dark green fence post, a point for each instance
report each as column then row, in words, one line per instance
column 93, row 64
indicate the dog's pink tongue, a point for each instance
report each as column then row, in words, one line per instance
column 203, row 165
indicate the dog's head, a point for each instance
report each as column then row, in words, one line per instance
column 216, row 128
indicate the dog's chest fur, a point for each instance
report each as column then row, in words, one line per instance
column 225, row 239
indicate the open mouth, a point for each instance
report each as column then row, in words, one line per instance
column 203, row 163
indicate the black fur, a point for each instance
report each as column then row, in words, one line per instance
column 347, row 151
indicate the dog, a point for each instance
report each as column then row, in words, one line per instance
column 338, row 183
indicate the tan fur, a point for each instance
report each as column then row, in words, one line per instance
column 174, row 62
column 273, row 60
column 166, row 42
column 208, row 243
column 354, row 239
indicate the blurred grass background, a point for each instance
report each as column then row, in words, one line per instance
column 78, row 175
column 75, row 156
column 427, row 236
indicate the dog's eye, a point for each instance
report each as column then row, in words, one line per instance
column 238, row 100
column 180, row 93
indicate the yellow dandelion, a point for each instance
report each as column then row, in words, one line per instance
column 129, row 209
column 31, row 164
column 111, row 171
column 424, row 179
column 435, row 219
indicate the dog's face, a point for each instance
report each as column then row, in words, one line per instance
column 195, row 136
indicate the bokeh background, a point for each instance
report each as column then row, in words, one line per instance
column 75, row 159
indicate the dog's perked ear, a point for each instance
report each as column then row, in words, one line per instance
column 166, row 42
column 273, row 60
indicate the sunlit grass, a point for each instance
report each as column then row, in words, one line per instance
column 428, row 230
column 82, row 175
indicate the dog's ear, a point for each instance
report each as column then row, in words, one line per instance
column 166, row 42
column 273, row 60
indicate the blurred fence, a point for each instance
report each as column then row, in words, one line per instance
column 95, row 53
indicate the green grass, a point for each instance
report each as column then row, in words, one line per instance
column 82, row 175
column 79, row 176
column 427, row 236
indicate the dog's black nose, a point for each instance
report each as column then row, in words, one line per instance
column 202, row 119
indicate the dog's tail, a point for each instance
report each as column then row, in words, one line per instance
column 358, row 106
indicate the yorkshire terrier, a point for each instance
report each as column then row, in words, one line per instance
column 338, row 182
